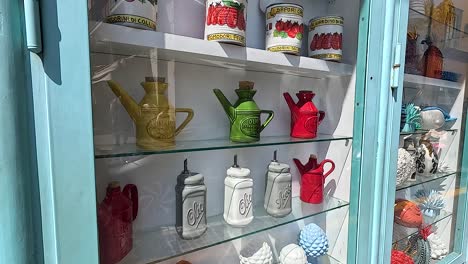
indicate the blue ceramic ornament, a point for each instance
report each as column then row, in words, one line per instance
column 313, row 240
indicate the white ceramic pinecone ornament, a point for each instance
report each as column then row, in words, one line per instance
column 406, row 166
column 292, row 254
column 438, row 248
column 313, row 240
column 262, row 256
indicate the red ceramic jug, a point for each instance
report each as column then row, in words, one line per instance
column 313, row 179
column 115, row 216
column 305, row 117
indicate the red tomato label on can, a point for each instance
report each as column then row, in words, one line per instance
column 326, row 38
column 284, row 28
column 226, row 21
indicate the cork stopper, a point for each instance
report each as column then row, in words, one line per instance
column 114, row 184
column 313, row 156
column 246, row 85
column 155, row 79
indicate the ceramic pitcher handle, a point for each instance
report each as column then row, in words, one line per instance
column 131, row 191
column 186, row 121
column 269, row 118
column 331, row 169
column 321, row 116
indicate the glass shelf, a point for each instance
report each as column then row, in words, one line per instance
column 422, row 179
column 421, row 82
column 149, row 246
column 400, row 232
column 125, row 41
column 421, row 132
column 126, row 150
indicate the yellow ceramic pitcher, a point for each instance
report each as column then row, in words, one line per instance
column 154, row 117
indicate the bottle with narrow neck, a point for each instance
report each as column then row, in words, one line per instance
column 277, row 201
column 190, row 204
column 238, row 203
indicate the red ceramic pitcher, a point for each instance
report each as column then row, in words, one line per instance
column 305, row 117
column 115, row 216
column 313, row 179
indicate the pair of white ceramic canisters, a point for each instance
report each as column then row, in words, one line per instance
column 238, row 202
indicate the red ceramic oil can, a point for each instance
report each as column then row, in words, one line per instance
column 115, row 216
column 305, row 117
column 313, row 179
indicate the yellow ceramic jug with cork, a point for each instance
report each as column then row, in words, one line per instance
column 154, row 117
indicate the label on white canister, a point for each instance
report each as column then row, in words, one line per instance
column 226, row 21
column 133, row 13
column 284, row 28
column 326, row 38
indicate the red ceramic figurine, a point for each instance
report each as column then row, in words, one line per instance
column 313, row 179
column 115, row 216
column 305, row 117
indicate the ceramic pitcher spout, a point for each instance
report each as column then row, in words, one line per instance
column 127, row 101
column 291, row 104
column 227, row 106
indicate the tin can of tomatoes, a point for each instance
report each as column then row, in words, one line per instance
column 326, row 38
column 133, row 13
column 284, row 28
column 226, row 21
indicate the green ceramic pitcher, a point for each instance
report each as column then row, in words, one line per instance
column 244, row 115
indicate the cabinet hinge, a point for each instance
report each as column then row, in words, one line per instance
column 33, row 25
column 396, row 67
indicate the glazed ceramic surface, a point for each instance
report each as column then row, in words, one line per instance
column 313, row 240
column 190, row 204
column 154, row 118
column 238, row 203
column 305, row 117
column 244, row 115
column 292, row 254
column 262, row 256
column 277, row 201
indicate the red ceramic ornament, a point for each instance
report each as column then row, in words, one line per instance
column 407, row 214
column 399, row 257
column 305, row 117
column 432, row 61
column 115, row 216
column 313, row 179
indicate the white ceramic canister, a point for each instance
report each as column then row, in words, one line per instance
column 225, row 21
column 284, row 28
column 133, row 13
column 277, row 201
column 190, row 204
column 238, row 203
column 326, row 38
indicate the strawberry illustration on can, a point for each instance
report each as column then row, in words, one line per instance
column 326, row 38
column 284, row 28
column 226, row 21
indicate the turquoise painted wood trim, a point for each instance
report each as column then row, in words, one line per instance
column 355, row 215
column 64, row 134
column 373, row 163
column 452, row 258
column 20, row 233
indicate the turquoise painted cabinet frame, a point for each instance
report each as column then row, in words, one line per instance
column 64, row 137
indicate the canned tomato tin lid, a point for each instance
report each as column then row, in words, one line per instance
column 325, row 20
column 286, row 4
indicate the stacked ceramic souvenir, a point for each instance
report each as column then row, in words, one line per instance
column 418, row 10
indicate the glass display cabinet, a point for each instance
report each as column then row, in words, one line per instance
column 235, row 131
column 184, row 92
column 430, row 199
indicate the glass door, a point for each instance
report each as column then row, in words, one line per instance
column 223, row 129
column 430, row 202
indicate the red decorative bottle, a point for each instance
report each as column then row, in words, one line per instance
column 313, row 179
column 305, row 117
column 432, row 61
column 115, row 216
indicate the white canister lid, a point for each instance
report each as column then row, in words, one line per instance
column 278, row 167
column 238, row 172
